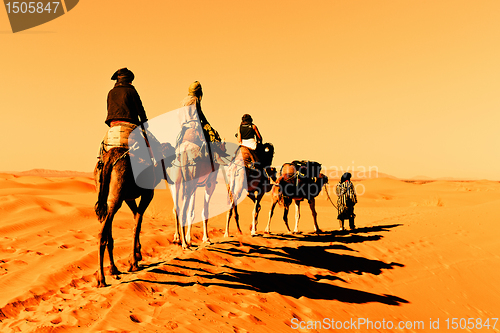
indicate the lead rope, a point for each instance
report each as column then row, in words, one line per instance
column 328, row 195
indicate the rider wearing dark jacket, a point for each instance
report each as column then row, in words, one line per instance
column 124, row 103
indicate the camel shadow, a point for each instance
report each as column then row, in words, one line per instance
column 293, row 285
column 344, row 236
column 312, row 255
column 298, row 285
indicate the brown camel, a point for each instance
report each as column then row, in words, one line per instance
column 294, row 186
column 259, row 181
column 115, row 183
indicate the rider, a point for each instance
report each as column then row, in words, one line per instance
column 248, row 136
column 125, row 113
column 216, row 148
column 124, row 103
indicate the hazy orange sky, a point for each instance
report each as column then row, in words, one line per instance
column 410, row 87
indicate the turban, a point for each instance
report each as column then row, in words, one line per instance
column 345, row 176
column 123, row 74
column 195, row 89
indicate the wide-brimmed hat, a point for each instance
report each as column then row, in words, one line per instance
column 123, row 73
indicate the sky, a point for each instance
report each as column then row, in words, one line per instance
column 408, row 87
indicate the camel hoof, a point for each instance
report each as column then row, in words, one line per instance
column 101, row 284
column 207, row 241
column 133, row 267
column 138, row 256
column 114, row 271
column 318, row 231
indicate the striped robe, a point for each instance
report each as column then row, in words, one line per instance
column 347, row 199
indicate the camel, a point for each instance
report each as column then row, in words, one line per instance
column 257, row 182
column 196, row 165
column 188, row 172
column 295, row 186
column 115, row 183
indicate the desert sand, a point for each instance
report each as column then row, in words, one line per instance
column 423, row 251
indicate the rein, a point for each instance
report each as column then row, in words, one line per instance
column 122, row 156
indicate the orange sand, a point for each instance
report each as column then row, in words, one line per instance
column 421, row 251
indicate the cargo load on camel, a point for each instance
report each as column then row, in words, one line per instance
column 305, row 182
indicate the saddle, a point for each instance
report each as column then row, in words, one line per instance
column 260, row 158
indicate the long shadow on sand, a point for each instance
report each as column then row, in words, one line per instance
column 298, row 285
column 312, row 256
column 294, row 285
column 347, row 237
column 318, row 255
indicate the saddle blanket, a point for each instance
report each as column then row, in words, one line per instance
column 118, row 136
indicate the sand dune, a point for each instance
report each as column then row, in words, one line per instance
column 421, row 251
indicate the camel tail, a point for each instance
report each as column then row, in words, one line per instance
column 101, row 206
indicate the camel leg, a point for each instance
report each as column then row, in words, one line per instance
column 312, row 205
column 297, row 216
column 234, row 208
column 256, row 211
column 237, row 219
column 112, row 267
column 286, row 208
column 104, row 242
column 229, row 215
column 190, row 214
column 209, row 190
column 177, row 239
column 175, row 191
column 271, row 211
column 138, row 215
column 184, row 196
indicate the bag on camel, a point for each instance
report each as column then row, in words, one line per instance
column 307, row 169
